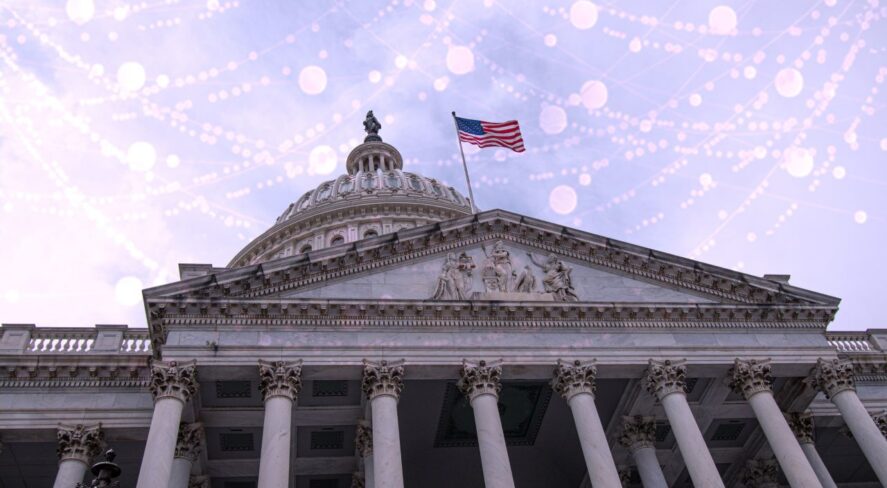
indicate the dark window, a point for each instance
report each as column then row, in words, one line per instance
column 236, row 442
column 415, row 184
column 337, row 240
column 233, row 389
column 323, row 483
column 329, row 388
column 324, row 192
column 305, row 248
column 346, row 186
column 370, row 233
column 392, row 181
column 327, row 439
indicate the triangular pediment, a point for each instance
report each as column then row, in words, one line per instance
column 413, row 265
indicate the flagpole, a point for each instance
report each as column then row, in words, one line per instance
column 464, row 166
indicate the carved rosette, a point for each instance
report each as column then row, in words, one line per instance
column 801, row 424
column 479, row 379
column 761, row 473
column 666, row 377
column 881, row 421
column 363, row 439
column 832, row 376
column 382, row 378
column 190, row 441
column 572, row 379
column 173, row 380
column 638, row 432
column 751, row 377
column 280, row 378
column 79, row 442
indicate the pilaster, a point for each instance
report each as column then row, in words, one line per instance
column 280, row 378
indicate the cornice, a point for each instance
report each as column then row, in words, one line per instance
column 75, row 377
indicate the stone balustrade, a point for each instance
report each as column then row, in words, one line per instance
column 852, row 341
column 101, row 339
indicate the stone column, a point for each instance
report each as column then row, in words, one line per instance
column 752, row 379
column 187, row 449
column 77, row 445
column 382, row 383
column 280, row 385
column 667, row 381
column 762, row 473
column 834, row 378
column 480, row 383
column 802, row 426
column 172, row 385
column 576, row 384
column 639, row 436
column 364, row 443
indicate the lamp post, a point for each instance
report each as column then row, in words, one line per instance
column 105, row 472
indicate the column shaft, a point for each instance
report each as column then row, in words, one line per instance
column 785, row 446
column 387, row 467
column 160, row 447
column 818, row 466
column 71, row 472
column 866, row 433
column 598, row 458
column 491, row 441
column 181, row 473
column 699, row 462
column 649, row 468
column 274, row 465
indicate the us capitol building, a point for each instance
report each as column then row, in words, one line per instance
column 381, row 334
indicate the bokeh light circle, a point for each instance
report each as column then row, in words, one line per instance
column 322, row 160
column 312, row 80
column 141, row 156
column 80, row 11
column 860, row 216
column 583, row 14
column 789, row 82
column 553, row 119
column 563, row 199
column 131, row 76
column 594, row 94
column 722, row 20
column 460, row 60
column 798, row 161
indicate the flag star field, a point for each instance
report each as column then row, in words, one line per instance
column 135, row 135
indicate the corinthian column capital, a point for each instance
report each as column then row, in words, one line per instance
column 79, row 442
column 173, row 380
column 363, row 439
column 571, row 379
column 638, row 432
column 750, row 377
column 832, row 376
column 382, row 378
column 198, row 482
column 801, row 424
column 666, row 377
column 280, row 378
column 189, row 441
column 881, row 421
column 761, row 473
column 479, row 379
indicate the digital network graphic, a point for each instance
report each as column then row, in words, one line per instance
column 138, row 135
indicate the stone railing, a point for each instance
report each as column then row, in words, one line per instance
column 101, row 339
column 851, row 342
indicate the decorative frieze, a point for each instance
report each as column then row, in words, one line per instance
column 363, row 439
column 382, row 378
column 575, row 378
column 802, row 426
column 638, row 432
column 479, row 379
column 665, row 377
column 190, row 441
column 749, row 377
column 173, row 380
column 79, row 442
column 832, row 376
column 280, row 378
column 761, row 473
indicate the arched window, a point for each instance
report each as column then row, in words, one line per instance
column 305, row 248
column 370, row 233
column 338, row 239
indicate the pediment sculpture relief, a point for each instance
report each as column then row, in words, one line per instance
column 501, row 279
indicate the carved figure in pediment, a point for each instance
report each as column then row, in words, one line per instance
column 454, row 281
column 498, row 265
column 526, row 282
column 557, row 280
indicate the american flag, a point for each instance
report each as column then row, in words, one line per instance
column 491, row 134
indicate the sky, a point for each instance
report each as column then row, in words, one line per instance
column 138, row 135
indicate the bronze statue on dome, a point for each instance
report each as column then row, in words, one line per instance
column 372, row 126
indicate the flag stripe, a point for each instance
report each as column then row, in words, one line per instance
column 491, row 134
